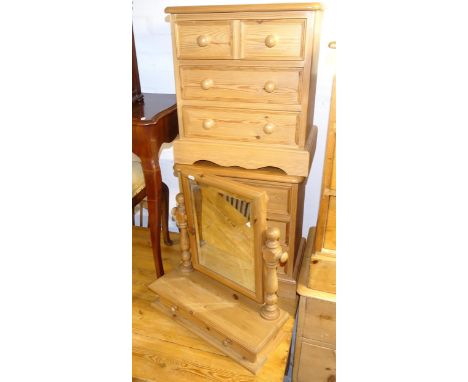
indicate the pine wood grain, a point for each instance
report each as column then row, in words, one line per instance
column 165, row 351
column 204, row 39
column 325, row 240
column 241, row 125
column 287, row 36
column 271, row 65
column 242, row 84
column 315, row 353
column 252, row 7
column 248, row 154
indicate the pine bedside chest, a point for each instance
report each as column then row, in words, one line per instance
column 245, row 83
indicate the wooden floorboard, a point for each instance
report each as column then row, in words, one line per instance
column 164, row 351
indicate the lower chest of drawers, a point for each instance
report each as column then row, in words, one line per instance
column 315, row 348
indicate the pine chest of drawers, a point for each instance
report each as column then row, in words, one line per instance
column 245, row 83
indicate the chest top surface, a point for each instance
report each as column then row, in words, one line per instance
column 315, row 6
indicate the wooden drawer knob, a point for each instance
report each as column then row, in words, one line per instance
column 206, row 84
column 174, row 309
column 270, row 41
column 268, row 128
column 227, row 342
column 269, row 86
column 284, row 257
column 208, row 124
column 203, row 40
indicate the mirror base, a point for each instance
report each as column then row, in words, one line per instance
column 218, row 314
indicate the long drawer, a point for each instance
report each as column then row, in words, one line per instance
column 241, row 84
column 241, row 125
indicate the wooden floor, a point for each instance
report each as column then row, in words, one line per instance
column 164, row 351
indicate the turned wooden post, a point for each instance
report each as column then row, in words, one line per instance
column 272, row 254
column 181, row 220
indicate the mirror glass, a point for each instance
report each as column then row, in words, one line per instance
column 224, row 233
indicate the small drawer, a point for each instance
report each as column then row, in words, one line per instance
column 273, row 39
column 181, row 314
column 241, row 125
column 279, row 195
column 242, row 84
column 204, row 39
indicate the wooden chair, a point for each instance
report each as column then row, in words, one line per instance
column 139, row 199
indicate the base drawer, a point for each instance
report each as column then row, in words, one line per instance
column 175, row 311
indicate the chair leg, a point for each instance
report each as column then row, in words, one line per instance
column 165, row 214
column 133, row 216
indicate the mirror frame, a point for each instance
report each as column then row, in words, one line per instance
column 258, row 199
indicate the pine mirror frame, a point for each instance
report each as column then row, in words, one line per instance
column 258, row 199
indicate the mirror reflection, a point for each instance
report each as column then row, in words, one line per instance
column 224, row 233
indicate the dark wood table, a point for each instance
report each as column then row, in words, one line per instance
column 154, row 122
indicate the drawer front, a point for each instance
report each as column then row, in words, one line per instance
column 181, row 314
column 255, row 85
column 316, row 364
column 320, row 321
column 273, row 39
column 279, row 196
column 204, row 39
column 240, row 125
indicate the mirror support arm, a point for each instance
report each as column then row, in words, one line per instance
column 180, row 217
column 272, row 254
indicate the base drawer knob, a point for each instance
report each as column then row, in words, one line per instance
column 270, row 41
column 227, row 342
column 203, row 40
column 269, row 86
column 208, row 124
column 268, row 128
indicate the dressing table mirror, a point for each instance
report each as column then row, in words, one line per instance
column 226, row 223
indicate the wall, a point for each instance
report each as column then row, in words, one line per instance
column 154, row 54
